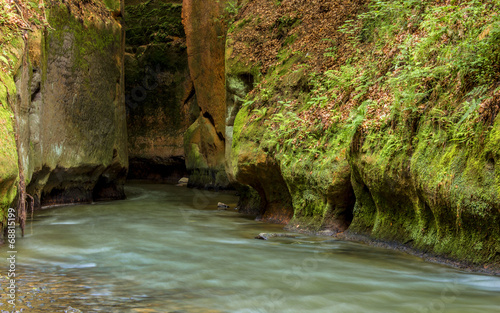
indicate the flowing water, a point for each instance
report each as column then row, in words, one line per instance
column 168, row 249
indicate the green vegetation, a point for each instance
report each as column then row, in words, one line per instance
column 408, row 117
column 111, row 4
column 90, row 38
column 22, row 22
column 438, row 126
column 8, row 152
column 153, row 22
column 14, row 19
column 230, row 10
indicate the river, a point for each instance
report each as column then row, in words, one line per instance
column 168, row 249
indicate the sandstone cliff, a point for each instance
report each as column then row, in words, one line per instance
column 160, row 97
column 372, row 118
column 9, row 171
column 204, row 141
column 71, row 109
column 68, row 101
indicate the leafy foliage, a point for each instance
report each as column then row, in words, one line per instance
column 15, row 17
column 410, row 89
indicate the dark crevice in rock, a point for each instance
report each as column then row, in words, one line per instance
column 208, row 116
column 167, row 170
column 190, row 96
column 158, row 77
column 249, row 201
column 275, row 199
column 221, row 136
column 77, row 185
column 72, row 195
column 341, row 201
column 36, row 85
column 426, row 217
column 248, row 80
column 107, row 189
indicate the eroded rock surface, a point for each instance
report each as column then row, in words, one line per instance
column 160, row 96
column 205, row 141
column 71, row 109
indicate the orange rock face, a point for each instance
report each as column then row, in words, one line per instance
column 205, row 39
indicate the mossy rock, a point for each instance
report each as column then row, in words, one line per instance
column 204, row 151
column 9, row 171
column 153, row 22
column 416, row 159
column 78, row 148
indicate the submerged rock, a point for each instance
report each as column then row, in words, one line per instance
column 265, row 236
column 222, row 206
column 183, row 182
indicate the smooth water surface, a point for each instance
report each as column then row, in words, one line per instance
column 168, row 249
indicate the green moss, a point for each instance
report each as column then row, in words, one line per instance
column 8, row 159
column 239, row 123
column 153, row 22
column 8, row 154
column 12, row 46
column 87, row 37
column 242, row 23
column 112, row 4
column 445, row 195
column 421, row 144
column 77, row 49
column 8, row 151
column 440, row 155
column 195, row 158
column 237, row 66
column 210, row 178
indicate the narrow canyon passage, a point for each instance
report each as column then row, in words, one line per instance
column 359, row 121
column 169, row 249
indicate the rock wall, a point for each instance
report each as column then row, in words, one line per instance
column 70, row 107
column 9, row 171
column 204, row 142
column 268, row 62
column 345, row 124
column 160, row 96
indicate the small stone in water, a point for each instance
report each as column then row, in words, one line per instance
column 261, row 236
column 222, row 205
column 183, row 182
